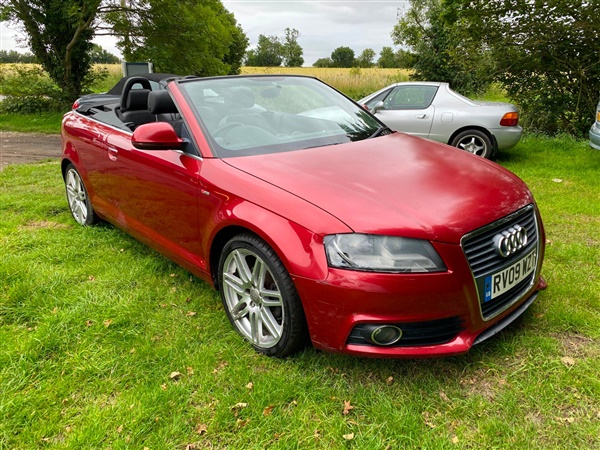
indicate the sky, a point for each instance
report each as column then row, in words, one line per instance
column 323, row 25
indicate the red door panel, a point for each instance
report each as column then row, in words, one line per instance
column 156, row 196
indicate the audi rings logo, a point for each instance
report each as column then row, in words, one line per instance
column 510, row 241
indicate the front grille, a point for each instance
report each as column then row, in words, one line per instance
column 414, row 334
column 484, row 260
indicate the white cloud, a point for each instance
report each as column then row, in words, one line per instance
column 12, row 39
column 323, row 25
column 9, row 36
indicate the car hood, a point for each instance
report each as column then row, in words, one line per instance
column 396, row 185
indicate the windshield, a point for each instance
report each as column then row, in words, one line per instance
column 256, row 115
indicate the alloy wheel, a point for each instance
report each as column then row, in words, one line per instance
column 77, row 196
column 253, row 298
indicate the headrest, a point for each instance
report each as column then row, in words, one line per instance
column 137, row 100
column 160, row 102
column 239, row 97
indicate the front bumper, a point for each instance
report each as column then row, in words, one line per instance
column 347, row 300
column 439, row 314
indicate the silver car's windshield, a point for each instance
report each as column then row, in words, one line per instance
column 255, row 115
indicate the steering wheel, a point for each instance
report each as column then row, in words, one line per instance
column 223, row 129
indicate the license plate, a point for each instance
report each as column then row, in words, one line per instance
column 501, row 282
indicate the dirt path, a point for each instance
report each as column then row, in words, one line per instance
column 23, row 148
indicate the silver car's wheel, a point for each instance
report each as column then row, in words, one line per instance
column 260, row 298
column 474, row 141
column 78, row 199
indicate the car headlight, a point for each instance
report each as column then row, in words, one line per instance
column 376, row 253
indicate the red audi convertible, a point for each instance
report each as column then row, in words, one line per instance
column 314, row 221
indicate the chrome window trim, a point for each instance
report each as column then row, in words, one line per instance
column 113, row 127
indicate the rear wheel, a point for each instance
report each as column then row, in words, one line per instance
column 474, row 141
column 77, row 196
column 260, row 298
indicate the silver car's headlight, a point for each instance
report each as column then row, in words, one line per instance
column 376, row 253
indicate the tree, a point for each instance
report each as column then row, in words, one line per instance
column 250, row 58
column 365, row 59
column 546, row 55
column 268, row 52
column 184, row 36
column 59, row 33
column 100, row 56
column 342, row 57
column 272, row 51
column 292, row 52
column 387, row 58
column 405, row 59
column 323, row 62
column 13, row 56
column 237, row 48
column 433, row 33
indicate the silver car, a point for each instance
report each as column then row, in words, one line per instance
column 432, row 110
column 595, row 131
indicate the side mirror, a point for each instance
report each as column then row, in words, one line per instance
column 377, row 107
column 156, row 136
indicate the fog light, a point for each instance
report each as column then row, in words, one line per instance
column 386, row 335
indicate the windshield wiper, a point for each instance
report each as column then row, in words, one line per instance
column 379, row 131
column 323, row 145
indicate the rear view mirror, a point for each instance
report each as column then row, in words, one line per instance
column 377, row 107
column 156, row 136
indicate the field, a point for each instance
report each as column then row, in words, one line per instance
column 355, row 83
column 106, row 344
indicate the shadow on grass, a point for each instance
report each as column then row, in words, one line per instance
column 496, row 351
column 511, row 156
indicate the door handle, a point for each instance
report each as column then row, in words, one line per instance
column 112, row 153
column 422, row 116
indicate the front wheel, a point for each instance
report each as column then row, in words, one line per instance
column 260, row 298
column 474, row 141
column 77, row 196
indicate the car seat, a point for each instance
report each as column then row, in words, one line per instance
column 135, row 112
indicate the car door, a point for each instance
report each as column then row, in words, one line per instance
column 409, row 109
column 89, row 144
column 154, row 195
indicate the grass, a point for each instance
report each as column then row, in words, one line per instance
column 93, row 326
column 47, row 123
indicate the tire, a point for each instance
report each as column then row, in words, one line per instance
column 260, row 298
column 78, row 199
column 474, row 141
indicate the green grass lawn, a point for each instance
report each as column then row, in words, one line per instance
column 46, row 123
column 106, row 344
